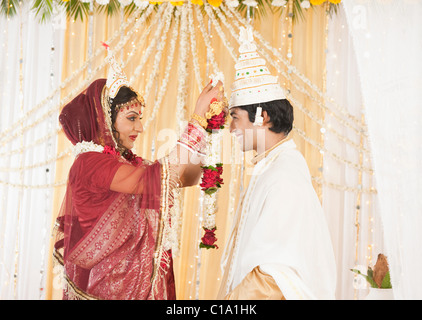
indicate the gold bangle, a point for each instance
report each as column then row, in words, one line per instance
column 201, row 120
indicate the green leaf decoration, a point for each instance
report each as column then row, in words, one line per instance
column 297, row 11
column 211, row 167
column 367, row 277
column 9, row 7
column 370, row 273
column 386, row 282
column 205, row 246
column 210, row 191
column 43, row 9
column 259, row 13
column 76, row 9
column 111, row 8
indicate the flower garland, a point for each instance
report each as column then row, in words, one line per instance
column 182, row 71
column 164, row 83
column 212, row 171
column 90, row 146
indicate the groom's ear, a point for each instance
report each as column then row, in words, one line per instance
column 266, row 118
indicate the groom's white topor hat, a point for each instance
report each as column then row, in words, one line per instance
column 253, row 82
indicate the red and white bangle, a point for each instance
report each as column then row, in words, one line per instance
column 193, row 138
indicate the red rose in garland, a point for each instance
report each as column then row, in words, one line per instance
column 209, row 239
column 217, row 122
column 211, row 178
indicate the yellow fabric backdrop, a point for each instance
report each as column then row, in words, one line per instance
column 198, row 272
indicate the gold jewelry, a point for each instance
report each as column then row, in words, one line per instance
column 215, row 109
column 130, row 103
column 201, row 120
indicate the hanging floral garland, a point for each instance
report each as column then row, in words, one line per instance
column 80, row 9
column 213, row 169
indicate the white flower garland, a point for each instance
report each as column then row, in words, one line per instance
column 193, row 46
column 212, row 158
column 182, row 73
column 142, row 4
column 219, row 31
column 86, row 146
column 159, row 16
column 163, row 87
column 160, row 47
column 232, row 3
column 250, row 3
column 278, row 3
column 125, row 3
column 207, row 41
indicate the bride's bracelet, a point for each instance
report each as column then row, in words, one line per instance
column 193, row 138
column 201, row 120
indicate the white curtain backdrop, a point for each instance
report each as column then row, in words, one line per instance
column 387, row 38
column 30, row 59
column 349, row 198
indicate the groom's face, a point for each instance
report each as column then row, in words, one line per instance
column 243, row 129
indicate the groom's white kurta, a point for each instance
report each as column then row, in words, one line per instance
column 280, row 227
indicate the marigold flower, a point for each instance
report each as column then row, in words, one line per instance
column 317, row 2
column 215, row 3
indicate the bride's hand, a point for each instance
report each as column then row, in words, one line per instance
column 208, row 93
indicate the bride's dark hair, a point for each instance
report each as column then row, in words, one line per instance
column 124, row 95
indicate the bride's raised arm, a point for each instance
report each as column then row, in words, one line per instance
column 183, row 162
column 186, row 157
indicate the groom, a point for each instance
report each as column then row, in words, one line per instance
column 280, row 246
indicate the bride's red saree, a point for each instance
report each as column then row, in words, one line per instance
column 110, row 231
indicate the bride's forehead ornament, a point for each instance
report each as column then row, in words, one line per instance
column 116, row 79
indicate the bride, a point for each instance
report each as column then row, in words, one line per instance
column 112, row 229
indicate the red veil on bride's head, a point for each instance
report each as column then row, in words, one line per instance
column 83, row 119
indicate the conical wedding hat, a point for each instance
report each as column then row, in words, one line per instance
column 253, row 81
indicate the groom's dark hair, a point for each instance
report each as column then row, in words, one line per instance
column 279, row 111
